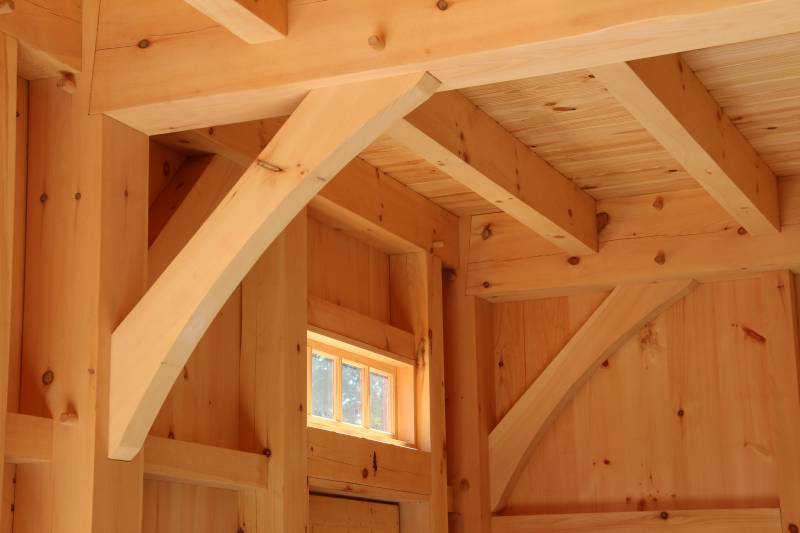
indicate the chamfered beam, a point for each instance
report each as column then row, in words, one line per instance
column 174, row 83
column 783, row 350
column 683, row 234
column 673, row 105
column 152, row 344
column 253, row 21
column 452, row 133
column 620, row 315
column 693, row 521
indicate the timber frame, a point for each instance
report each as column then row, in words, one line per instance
column 193, row 190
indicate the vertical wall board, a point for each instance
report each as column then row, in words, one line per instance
column 85, row 268
column 347, row 272
column 18, row 273
column 678, row 418
column 466, row 399
column 173, row 508
column 341, row 515
column 272, row 414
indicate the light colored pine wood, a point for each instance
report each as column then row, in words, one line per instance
column 253, row 21
column 717, row 520
column 688, row 229
column 467, row 373
column 621, row 315
column 783, row 350
column 28, row 439
column 337, row 515
column 9, row 221
column 206, row 466
column 290, row 171
column 273, row 376
column 339, row 323
column 463, row 141
column 670, row 101
column 477, row 43
column 164, row 163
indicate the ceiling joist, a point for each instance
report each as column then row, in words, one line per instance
column 253, row 21
column 620, row 315
column 152, row 344
column 453, row 134
column 673, row 105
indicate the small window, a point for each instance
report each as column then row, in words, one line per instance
column 351, row 393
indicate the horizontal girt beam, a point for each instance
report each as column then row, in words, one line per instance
column 152, row 344
column 253, row 21
column 619, row 317
column 453, row 134
column 668, row 99
column 682, row 234
column 159, row 65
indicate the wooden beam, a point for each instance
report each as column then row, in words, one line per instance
column 154, row 341
column 452, row 133
column 673, row 105
column 677, row 235
column 49, row 35
column 207, row 466
column 386, row 214
column 339, row 323
column 273, row 373
column 9, row 221
column 366, row 468
column 621, row 315
column 700, row 521
column 783, row 346
column 252, row 21
column 468, row 395
column 174, row 84
column 29, row 439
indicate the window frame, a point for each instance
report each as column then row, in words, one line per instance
column 341, row 356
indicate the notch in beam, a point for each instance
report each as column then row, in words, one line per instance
column 253, row 21
column 675, row 107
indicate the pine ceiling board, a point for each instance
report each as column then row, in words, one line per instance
column 758, row 84
column 572, row 122
column 408, row 168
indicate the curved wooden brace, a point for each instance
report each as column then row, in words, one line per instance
column 621, row 315
column 150, row 347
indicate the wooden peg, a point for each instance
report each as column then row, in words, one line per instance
column 377, row 42
column 6, row 6
column 67, row 83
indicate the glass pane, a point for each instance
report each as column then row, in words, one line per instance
column 322, row 378
column 351, row 394
column 379, row 402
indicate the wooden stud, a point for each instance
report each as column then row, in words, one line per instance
column 783, row 344
column 673, row 105
column 466, row 143
column 621, row 315
column 150, row 348
column 253, row 21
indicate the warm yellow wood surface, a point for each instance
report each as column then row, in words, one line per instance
column 337, row 515
column 28, row 439
column 253, row 21
column 679, row 418
column 705, row 521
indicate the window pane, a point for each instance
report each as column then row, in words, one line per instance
column 351, row 394
column 379, row 402
column 322, row 378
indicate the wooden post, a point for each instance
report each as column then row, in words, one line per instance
column 9, row 216
column 783, row 345
column 81, row 278
column 468, row 399
column 273, row 377
column 416, row 296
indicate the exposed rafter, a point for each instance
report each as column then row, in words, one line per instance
column 452, row 133
column 175, row 83
column 622, row 313
column 152, row 344
column 253, row 21
column 673, row 105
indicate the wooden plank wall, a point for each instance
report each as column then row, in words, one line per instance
column 678, row 418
